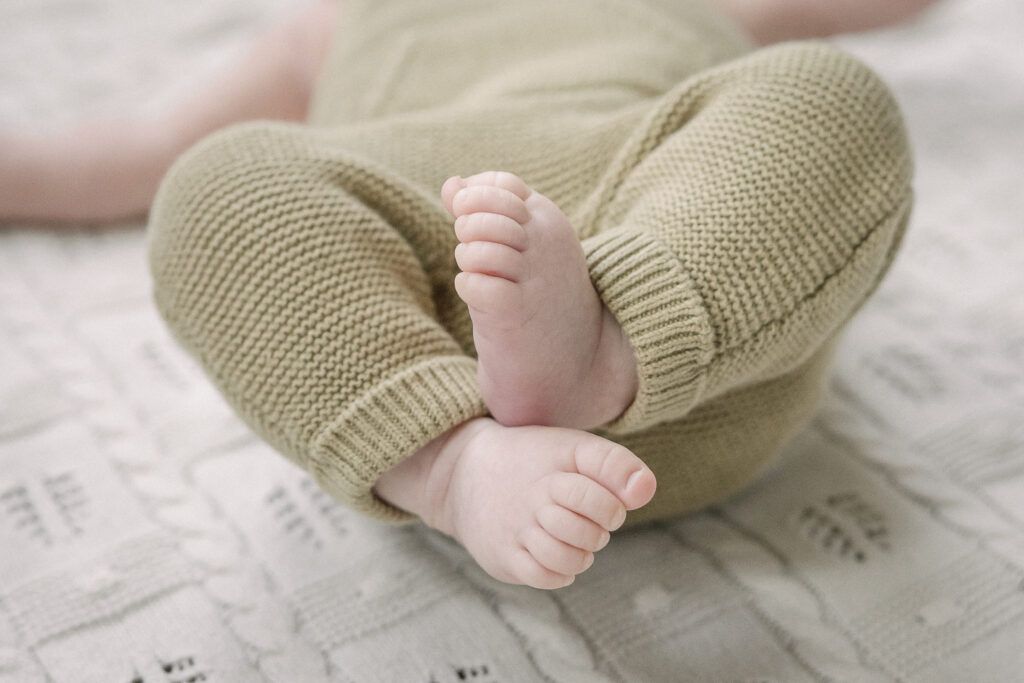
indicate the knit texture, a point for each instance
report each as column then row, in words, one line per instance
column 735, row 208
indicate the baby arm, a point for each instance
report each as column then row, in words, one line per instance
column 110, row 170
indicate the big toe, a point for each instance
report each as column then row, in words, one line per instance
column 502, row 179
column 449, row 189
column 640, row 488
column 618, row 470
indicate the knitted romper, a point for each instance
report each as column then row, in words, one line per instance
column 735, row 209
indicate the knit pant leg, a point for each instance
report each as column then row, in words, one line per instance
column 298, row 277
column 750, row 216
column 753, row 213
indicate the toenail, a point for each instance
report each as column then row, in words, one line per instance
column 633, row 478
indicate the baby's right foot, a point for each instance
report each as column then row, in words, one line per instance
column 550, row 352
column 532, row 504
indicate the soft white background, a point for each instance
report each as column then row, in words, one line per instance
column 146, row 536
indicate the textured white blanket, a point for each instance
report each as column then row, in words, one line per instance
column 146, row 536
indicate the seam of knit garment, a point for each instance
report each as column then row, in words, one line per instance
column 633, row 273
column 369, row 437
column 901, row 210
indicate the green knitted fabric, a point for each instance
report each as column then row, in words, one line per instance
column 735, row 207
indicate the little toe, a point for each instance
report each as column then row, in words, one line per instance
column 490, row 258
column 491, row 199
column 490, row 227
column 618, row 470
column 571, row 528
column 502, row 179
column 587, row 498
column 554, row 555
column 448, row 190
column 488, row 294
column 527, row 570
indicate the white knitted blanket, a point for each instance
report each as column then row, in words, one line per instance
column 146, row 536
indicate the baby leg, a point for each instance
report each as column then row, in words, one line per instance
column 743, row 224
column 753, row 214
column 755, row 224
column 282, row 265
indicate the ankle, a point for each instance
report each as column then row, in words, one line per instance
column 601, row 390
column 439, row 512
column 404, row 484
column 616, row 365
column 419, row 484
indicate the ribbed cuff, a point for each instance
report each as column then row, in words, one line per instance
column 645, row 287
column 389, row 424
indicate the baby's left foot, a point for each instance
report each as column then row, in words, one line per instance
column 549, row 351
column 531, row 504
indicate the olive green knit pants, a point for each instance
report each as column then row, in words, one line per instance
column 732, row 223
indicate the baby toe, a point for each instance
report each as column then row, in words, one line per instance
column 490, row 227
column 527, row 570
column 448, row 190
column 571, row 528
column 554, row 555
column 618, row 470
column 587, row 498
column 490, row 199
column 490, row 258
column 503, row 179
column 490, row 295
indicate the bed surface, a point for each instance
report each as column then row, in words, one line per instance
column 146, row 536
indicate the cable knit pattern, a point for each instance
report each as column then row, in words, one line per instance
column 734, row 217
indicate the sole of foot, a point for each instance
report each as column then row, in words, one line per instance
column 550, row 353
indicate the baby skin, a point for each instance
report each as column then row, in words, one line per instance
column 531, row 504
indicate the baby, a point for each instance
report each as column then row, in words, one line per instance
column 656, row 312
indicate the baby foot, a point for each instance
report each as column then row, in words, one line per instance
column 549, row 351
column 533, row 504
